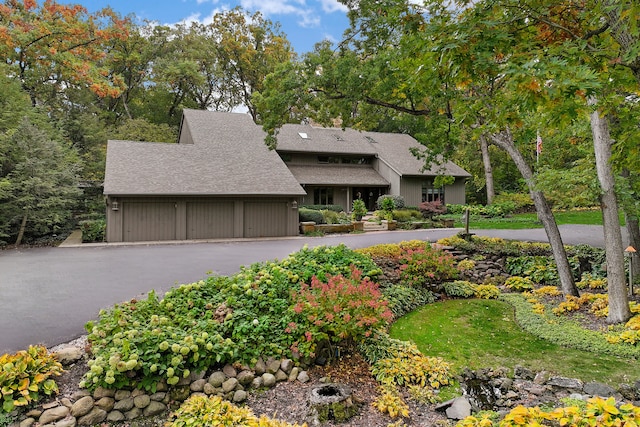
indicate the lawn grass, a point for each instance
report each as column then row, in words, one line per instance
column 530, row 220
column 478, row 334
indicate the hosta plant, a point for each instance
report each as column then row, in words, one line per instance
column 518, row 284
column 26, row 375
column 459, row 289
column 212, row 411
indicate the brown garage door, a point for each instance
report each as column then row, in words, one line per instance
column 209, row 220
column 149, row 221
column 265, row 219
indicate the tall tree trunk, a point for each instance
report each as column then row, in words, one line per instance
column 23, row 226
column 616, row 281
column 504, row 141
column 488, row 170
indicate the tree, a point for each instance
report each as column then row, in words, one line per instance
column 52, row 47
column 41, row 187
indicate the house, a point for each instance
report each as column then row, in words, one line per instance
column 221, row 181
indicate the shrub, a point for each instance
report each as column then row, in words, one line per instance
column 496, row 246
column 404, row 299
column 430, row 209
column 306, row 215
column 25, row 375
column 398, row 202
column 406, row 215
column 393, row 250
column 521, row 201
column 487, row 292
column 540, row 269
column 93, row 230
column 217, row 320
column 420, row 267
column 466, row 265
column 459, row 288
column 343, row 309
column 358, row 209
column 518, row 284
column 332, row 217
column 390, row 402
column 213, row 412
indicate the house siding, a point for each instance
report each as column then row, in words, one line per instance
column 390, row 175
column 411, row 190
column 455, row 194
column 180, row 218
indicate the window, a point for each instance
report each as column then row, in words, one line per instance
column 323, row 196
column 371, row 140
column 430, row 194
column 303, row 135
column 323, row 159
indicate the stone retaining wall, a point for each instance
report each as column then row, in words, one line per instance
column 87, row 409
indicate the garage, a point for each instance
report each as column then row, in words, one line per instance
column 149, row 221
column 210, row 220
column 265, row 219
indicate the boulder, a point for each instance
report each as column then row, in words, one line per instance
column 106, row 403
column 96, row 416
column 229, row 385
column 198, row 385
column 101, row 392
column 595, row 388
column 460, row 409
column 141, row 401
column 245, row 377
column 54, row 414
column 229, row 371
column 82, row 406
column 293, row 375
column 124, row 405
column 286, row 365
column 281, row 376
column 260, row 367
column 217, row 378
column 122, row 394
column 133, row 414
column 273, row 366
column 303, row 377
column 268, row 380
column 568, row 383
column 239, row 396
column 154, row 408
column 68, row 355
column 28, row 422
column 115, row 416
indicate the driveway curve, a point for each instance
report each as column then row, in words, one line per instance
column 48, row 294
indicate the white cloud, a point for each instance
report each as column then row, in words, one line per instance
column 307, row 16
column 331, row 6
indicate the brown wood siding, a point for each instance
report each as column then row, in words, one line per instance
column 455, row 194
column 212, row 220
column 149, row 221
column 265, row 219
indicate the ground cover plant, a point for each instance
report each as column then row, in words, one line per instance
column 347, row 298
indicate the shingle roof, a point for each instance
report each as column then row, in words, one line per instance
column 228, row 157
column 338, row 175
column 391, row 148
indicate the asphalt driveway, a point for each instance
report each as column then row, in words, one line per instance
column 48, row 294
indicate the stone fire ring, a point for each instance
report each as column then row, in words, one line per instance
column 331, row 402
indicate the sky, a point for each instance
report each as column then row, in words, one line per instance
column 305, row 22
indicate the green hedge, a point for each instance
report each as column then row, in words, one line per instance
column 335, row 208
column 93, row 230
column 306, row 215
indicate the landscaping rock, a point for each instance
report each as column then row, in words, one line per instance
column 239, row 396
column 96, row 416
column 82, row 406
column 158, row 396
column 101, row 392
column 568, row 383
column 230, row 371
column 281, row 376
column 198, row 386
column 67, row 422
column 124, row 405
column 286, row 365
column 257, row 382
column 133, row 414
column 53, row 414
column 460, row 409
column 260, row 367
column 115, row 416
column 68, row 355
column 273, row 366
column 595, row 388
column 66, row 402
column 122, row 394
column 217, row 378
column 154, row 408
column 208, row 389
column 106, row 403
column 268, row 380
column 141, row 401
column 229, row 385
column 180, row 394
column 293, row 375
column 245, row 377
column 28, row 422
column 303, row 377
